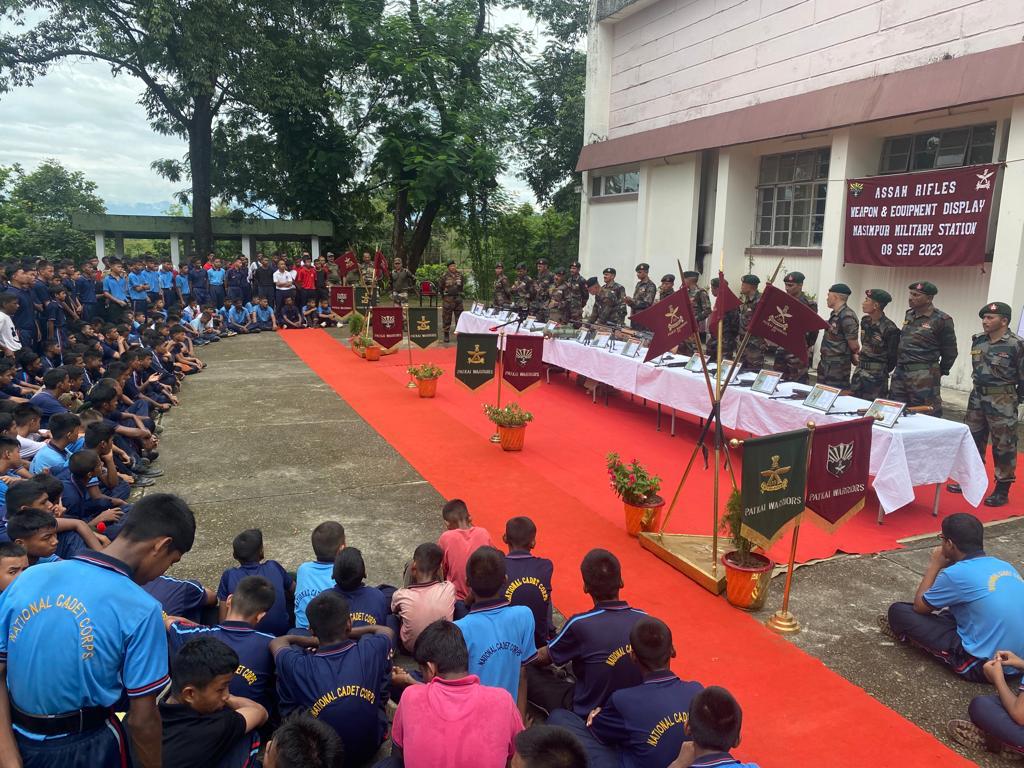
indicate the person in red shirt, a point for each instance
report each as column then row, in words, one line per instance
column 305, row 281
column 460, row 541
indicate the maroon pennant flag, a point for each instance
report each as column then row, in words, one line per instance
column 387, row 326
column 346, row 263
column 380, row 265
column 343, row 300
column 672, row 321
column 522, row 363
column 725, row 302
column 785, row 321
column 837, row 479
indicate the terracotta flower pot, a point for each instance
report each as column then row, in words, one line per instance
column 427, row 387
column 373, row 353
column 643, row 517
column 746, row 586
column 512, row 438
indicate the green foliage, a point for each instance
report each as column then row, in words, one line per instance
column 431, row 272
column 356, row 324
column 631, row 482
column 425, row 371
column 36, row 210
column 732, row 525
column 511, row 415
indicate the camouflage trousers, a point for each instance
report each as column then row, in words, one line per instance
column 791, row 367
column 575, row 314
column 450, row 305
column 753, row 355
column 400, row 298
column 993, row 418
column 921, row 386
column 834, row 371
column 728, row 348
column 869, row 384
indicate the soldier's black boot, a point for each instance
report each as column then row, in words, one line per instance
column 1000, row 496
column 954, row 488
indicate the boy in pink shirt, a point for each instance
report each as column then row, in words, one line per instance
column 427, row 598
column 457, row 543
column 452, row 720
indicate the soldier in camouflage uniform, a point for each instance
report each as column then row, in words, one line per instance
column 701, row 308
column 879, row 343
column 451, row 297
column 789, row 365
column 839, row 345
column 609, row 300
column 667, row 287
column 753, row 354
column 402, row 281
column 558, row 298
column 501, row 293
column 997, row 357
column 578, row 295
column 927, row 351
column 541, row 283
column 522, row 289
column 730, row 330
column 644, row 294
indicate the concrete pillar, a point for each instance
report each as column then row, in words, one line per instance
column 175, row 251
column 735, row 200
column 314, row 250
column 1007, row 282
column 667, row 217
column 119, row 246
column 247, row 246
column 101, row 248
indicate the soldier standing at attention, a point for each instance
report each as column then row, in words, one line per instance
column 644, row 294
column 609, row 300
column 839, row 347
column 501, row 293
column 927, row 351
column 541, row 284
column 997, row 358
column 451, row 297
column 790, row 366
column 879, row 343
column 522, row 288
column 667, row 287
column 558, row 297
column 753, row 354
column 730, row 329
column 577, row 284
column 402, row 281
column 701, row 307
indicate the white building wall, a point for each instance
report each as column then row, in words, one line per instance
column 677, row 60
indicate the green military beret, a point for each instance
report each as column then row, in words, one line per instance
column 842, row 288
column 714, row 282
column 609, row 271
column 794, row 277
column 691, row 273
column 499, row 265
column 450, row 262
column 643, row 267
column 879, row 296
column 591, row 282
column 669, row 278
column 560, row 271
column 542, row 261
column 575, row 264
column 924, row 287
column 751, row 280
column 521, row 265
column 995, row 308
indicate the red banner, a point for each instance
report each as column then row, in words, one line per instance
column 785, row 321
column 380, row 265
column 387, row 326
column 343, row 300
column 837, row 480
column 346, row 263
column 672, row 321
column 522, row 365
column 934, row 218
column 725, row 302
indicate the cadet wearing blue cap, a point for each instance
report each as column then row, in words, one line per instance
column 104, row 638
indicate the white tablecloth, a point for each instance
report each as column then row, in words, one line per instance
column 919, row 450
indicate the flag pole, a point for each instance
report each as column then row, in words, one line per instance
column 782, row 621
column 496, row 438
column 746, row 337
column 408, row 339
column 700, row 348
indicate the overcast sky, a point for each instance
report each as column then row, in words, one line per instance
column 92, row 122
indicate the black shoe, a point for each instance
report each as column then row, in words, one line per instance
column 149, row 472
column 142, row 462
column 954, row 488
column 141, row 481
column 446, row 339
column 152, row 456
column 1000, row 497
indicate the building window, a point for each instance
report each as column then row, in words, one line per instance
column 951, row 148
column 615, row 184
column 791, row 199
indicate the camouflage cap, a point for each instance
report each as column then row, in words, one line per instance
column 641, row 267
column 794, row 277
column 841, row 288
column 691, row 273
column 751, row 280
column 521, row 265
column 591, row 282
column 995, row 308
column 609, row 271
column 669, row 278
column 924, row 286
column 878, row 296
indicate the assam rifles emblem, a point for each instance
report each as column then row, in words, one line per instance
column 522, row 363
column 524, row 356
column 839, row 459
column 856, row 188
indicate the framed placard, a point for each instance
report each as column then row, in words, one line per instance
column 766, row 382
column 477, row 309
column 631, row 348
column 615, row 345
column 693, row 364
column 584, row 334
column 885, row 412
column 727, row 366
column 551, row 325
column 600, row 339
column 822, row 397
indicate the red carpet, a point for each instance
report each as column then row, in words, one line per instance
column 560, row 481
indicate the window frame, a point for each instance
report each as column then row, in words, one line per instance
column 791, row 187
column 917, row 147
column 626, row 184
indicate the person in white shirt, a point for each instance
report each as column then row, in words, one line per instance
column 26, row 429
column 284, row 284
column 8, row 333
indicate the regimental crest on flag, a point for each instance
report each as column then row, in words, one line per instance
column 342, row 299
column 675, row 322
column 671, row 320
column 524, row 356
column 388, row 321
column 476, row 358
column 423, row 326
column 387, row 327
column 774, row 479
column 840, row 456
column 780, row 320
column 984, row 179
column 788, row 325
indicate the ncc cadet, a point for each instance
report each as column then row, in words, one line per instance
column 451, row 297
column 529, row 577
column 927, row 351
column 997, row 358
column 879, row 343
column 753, row 354
column 789, row 365
column 501, row 293
column 609, row 300
column 522, row 288
column 839, row 346
column 541, row 284
column 730, row 329
column 556, row 308
column 644, row 294
column 92, row 636
column 667, row 287
column 402, row 281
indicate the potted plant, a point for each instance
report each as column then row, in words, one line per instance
column 638, row 490
column 426, row 376
column 511, row 422
column 748, row 574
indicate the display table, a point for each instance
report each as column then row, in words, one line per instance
column 919, row 450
